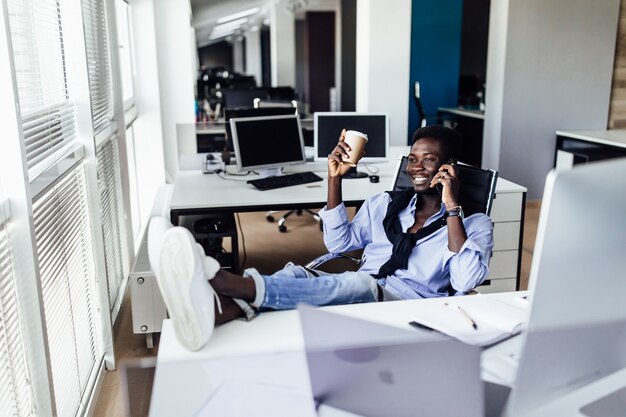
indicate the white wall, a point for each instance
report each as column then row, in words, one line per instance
column 253, row 54
column 176, row 82
column 148, row 137
column 238, row 57
column 383, row 62
column 282, row 45
column 550, row 66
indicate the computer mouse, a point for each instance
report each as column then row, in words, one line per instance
column 374, row 178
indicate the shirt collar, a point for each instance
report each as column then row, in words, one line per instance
column 442, row 209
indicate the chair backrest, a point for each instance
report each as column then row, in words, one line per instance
column 260, row 103
column 421, row 115
column 478, row 186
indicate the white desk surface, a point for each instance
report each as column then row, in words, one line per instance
column 250, row 351
column 194, row 190
column 613, row 137
column 570, row 404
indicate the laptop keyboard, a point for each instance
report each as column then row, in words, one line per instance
column 287, row 180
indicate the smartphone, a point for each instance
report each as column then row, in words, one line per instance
column 452, row 162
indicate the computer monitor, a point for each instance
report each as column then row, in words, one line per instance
column 576, row 331
column 241, row 112
column 242, row 97
column 328, row 126
column 267, row 144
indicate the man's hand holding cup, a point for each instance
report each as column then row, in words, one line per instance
column 349, row 150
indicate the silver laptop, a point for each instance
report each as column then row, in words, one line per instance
column 375, row 370
column 576, row 330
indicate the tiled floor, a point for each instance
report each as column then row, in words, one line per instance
column 301, row 244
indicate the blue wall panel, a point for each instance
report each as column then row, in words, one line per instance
column 435, row 55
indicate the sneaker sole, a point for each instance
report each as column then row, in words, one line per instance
column 185, row 290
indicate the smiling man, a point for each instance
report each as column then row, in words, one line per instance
column 416, row 243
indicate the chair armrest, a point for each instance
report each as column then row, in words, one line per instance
column 320, row 260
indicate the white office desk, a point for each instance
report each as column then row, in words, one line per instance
column 194, row 190
column 570, row 405
column 196, row 194
column 267, row 350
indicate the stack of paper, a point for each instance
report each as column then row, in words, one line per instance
column 477, row 319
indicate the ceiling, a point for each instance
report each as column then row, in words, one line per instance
column 205, row 14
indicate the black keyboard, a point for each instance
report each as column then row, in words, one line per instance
column 280, row 181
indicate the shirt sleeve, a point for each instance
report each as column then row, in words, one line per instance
column 470, row 266
column 341, row 235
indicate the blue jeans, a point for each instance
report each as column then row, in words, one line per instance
column 294, row 284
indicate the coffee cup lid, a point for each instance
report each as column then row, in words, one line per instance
column 357, row 133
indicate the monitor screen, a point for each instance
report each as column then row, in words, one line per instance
column 242, row 97
column 328, row 126
column 238, row 113
column 577, row 322
column 267, row 142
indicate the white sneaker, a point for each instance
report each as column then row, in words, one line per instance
column 185, row 288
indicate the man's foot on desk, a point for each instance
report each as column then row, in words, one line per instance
column 183, row 276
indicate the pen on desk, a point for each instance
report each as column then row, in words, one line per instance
column 467, row 316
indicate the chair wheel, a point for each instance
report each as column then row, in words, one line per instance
column 282, row 228
column 270, row 218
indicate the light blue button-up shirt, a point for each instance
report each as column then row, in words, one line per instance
column 431, row 267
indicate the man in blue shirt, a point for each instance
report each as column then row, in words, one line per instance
column 416, row 245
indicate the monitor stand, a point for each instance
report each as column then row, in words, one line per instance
column 269, row 172
column 353, row 173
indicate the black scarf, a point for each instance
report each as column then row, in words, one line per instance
column 402, row 242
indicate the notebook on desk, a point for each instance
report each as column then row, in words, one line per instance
column 376, row 370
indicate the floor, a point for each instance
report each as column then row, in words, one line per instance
column 302, row 243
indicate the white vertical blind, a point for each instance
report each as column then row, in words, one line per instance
column 14, row 386
column 40, row 69
column 110, row 185
column 98, row 62
column 66, row 262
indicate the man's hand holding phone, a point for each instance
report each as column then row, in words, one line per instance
column 447, row 183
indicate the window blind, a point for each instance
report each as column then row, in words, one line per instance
column 14, row 387
column 68, row 277
column 98, row 62
column 110, row 186
column 47, row 114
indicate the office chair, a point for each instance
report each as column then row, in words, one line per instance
column 422, row 118
column 478, row 188
column 281, row 222
column 260, row 103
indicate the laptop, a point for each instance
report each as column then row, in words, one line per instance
column 374, row 370
column 576, row 331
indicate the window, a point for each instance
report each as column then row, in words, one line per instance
column 110, row 186
column 98, row 63
column 66, row 263
column 14, row 387
column 47, row 56
column 125, row 52
column 47, row 113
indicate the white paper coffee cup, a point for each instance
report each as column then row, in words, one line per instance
column 356, row 140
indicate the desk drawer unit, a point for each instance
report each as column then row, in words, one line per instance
column 504, row 266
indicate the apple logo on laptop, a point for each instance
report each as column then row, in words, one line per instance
column 386, row 376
